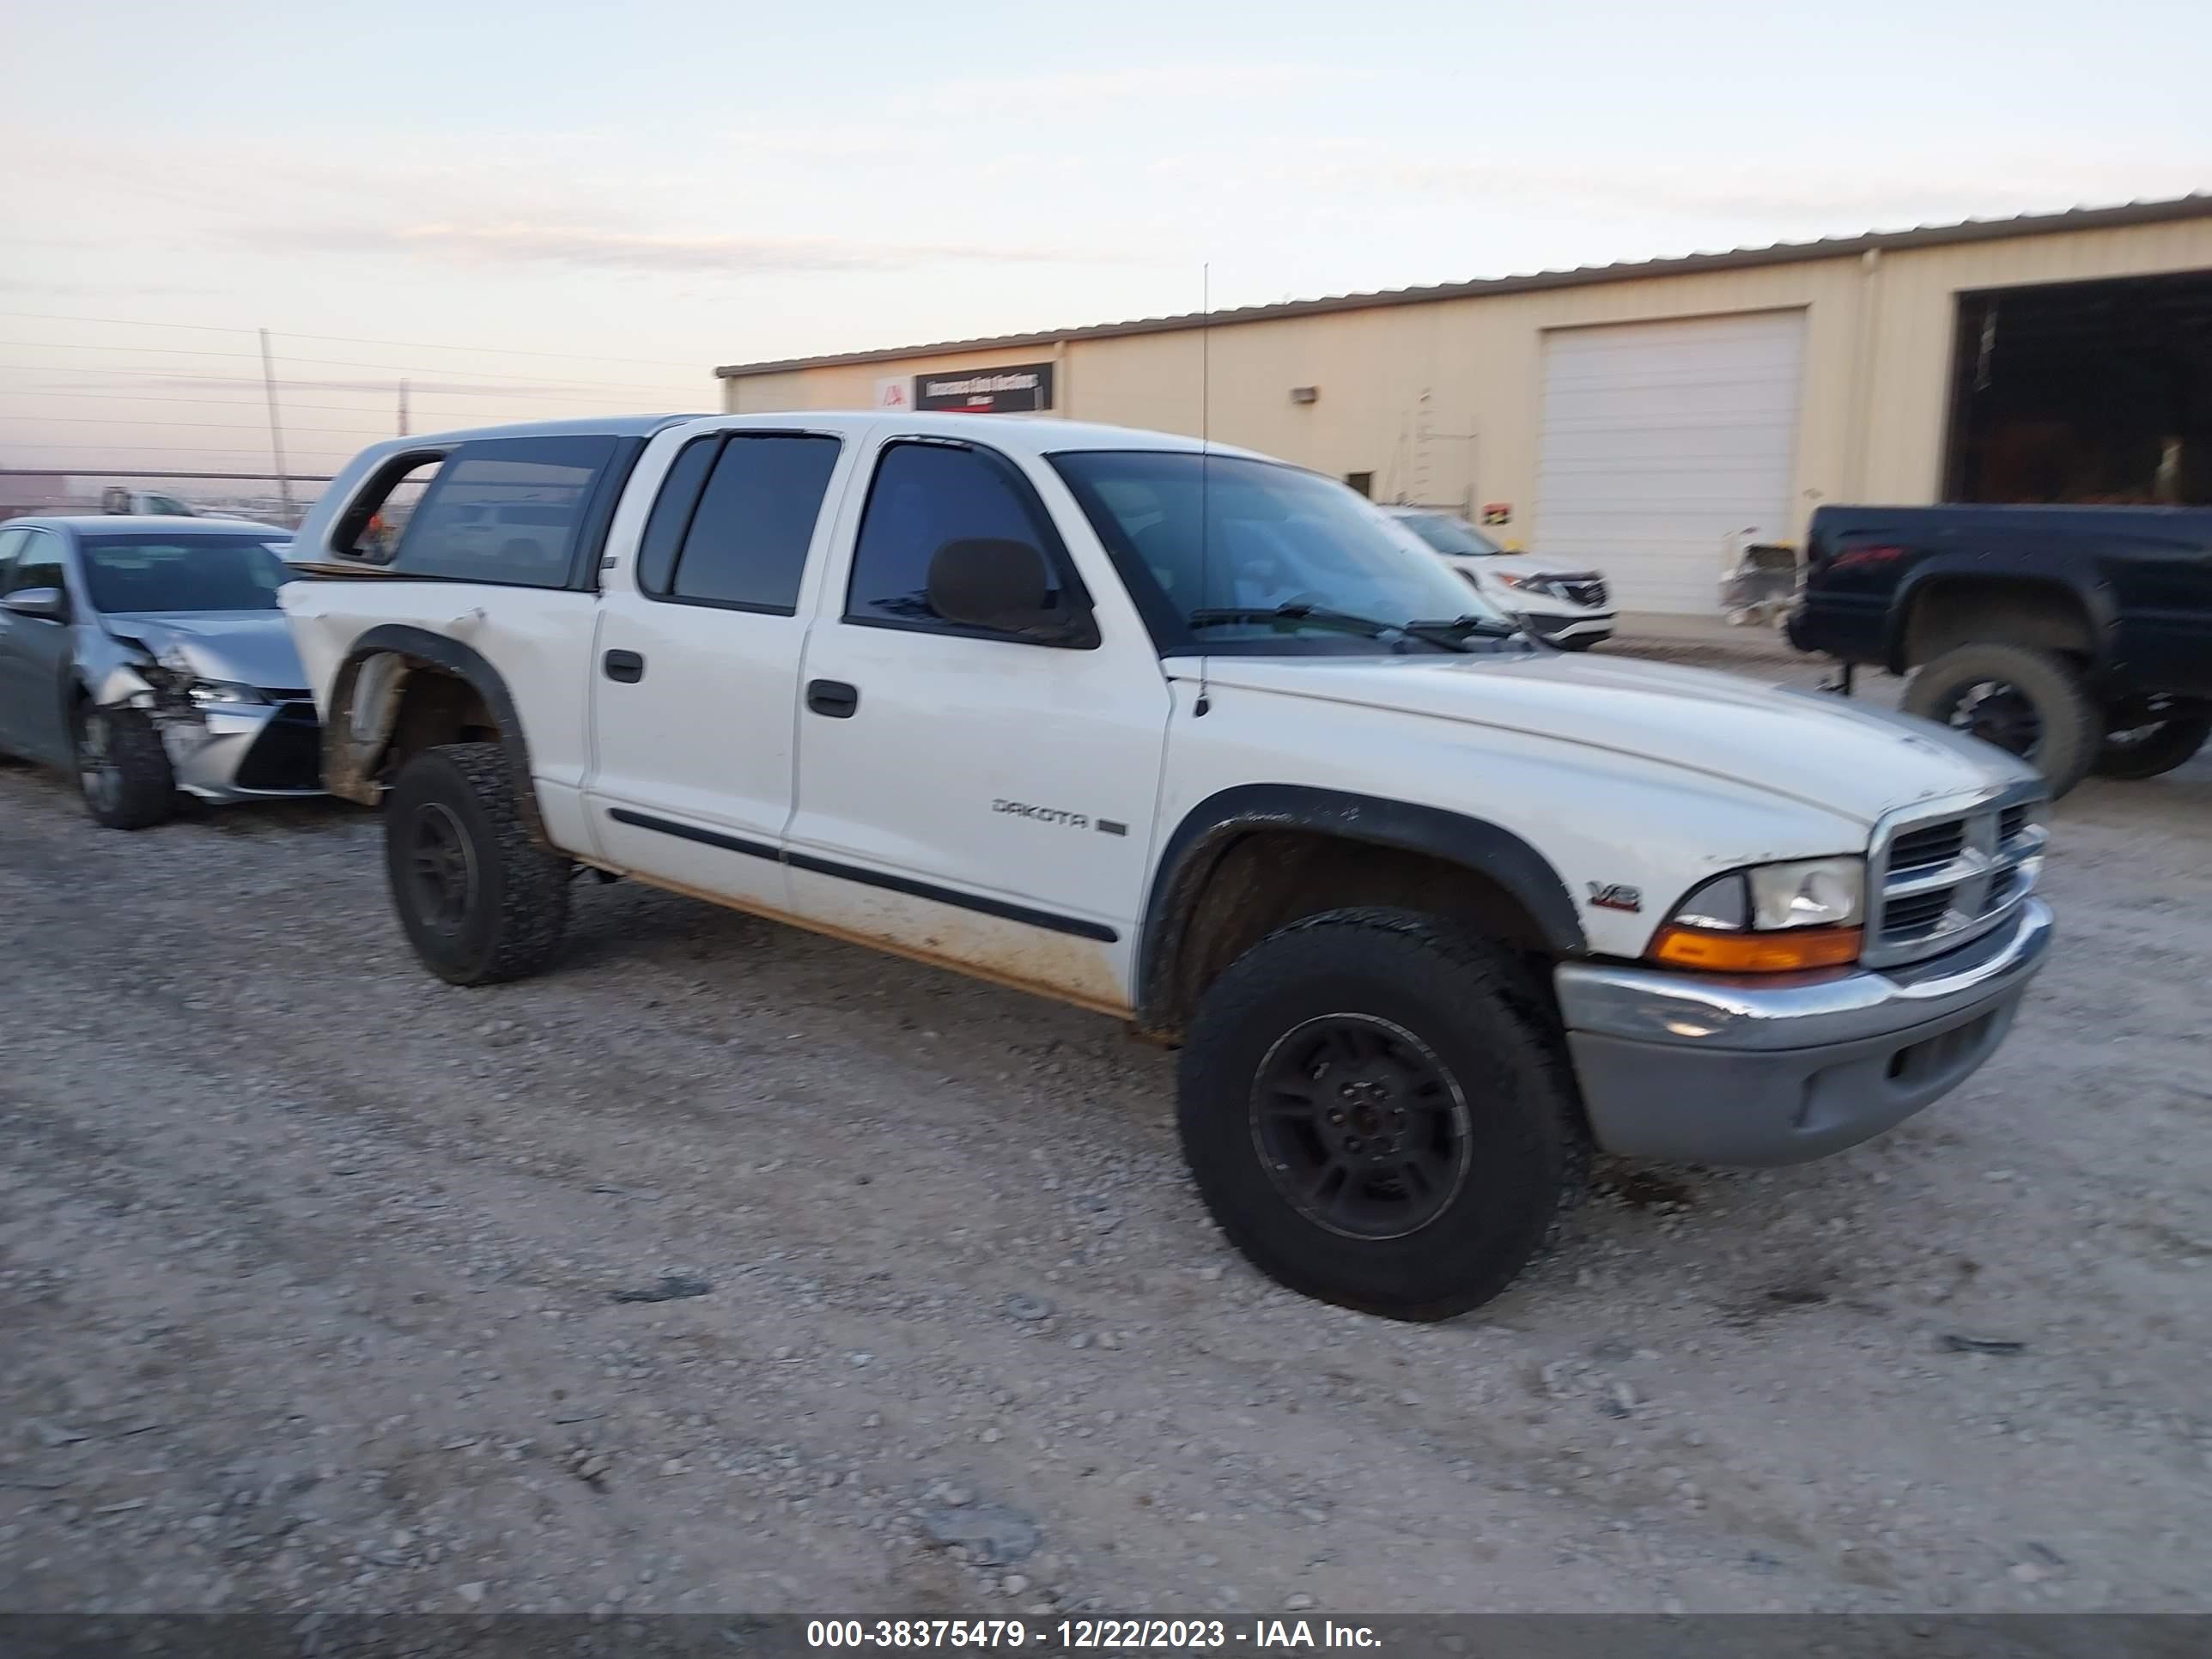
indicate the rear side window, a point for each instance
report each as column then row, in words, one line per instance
column 734, row 520
column 924, row 495
column 505, row 510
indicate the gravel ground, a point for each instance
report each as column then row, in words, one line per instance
column 313, row 1277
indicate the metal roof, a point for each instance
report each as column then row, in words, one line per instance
column 2197, row 205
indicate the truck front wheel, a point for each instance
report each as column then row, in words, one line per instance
column 2030, row 702
column 480, row 900
column 2149, row 737
column 1375, row 1118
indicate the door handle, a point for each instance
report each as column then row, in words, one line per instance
column 624, row 665
column 832, row 697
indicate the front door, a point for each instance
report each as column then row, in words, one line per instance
column 34, row 656
column 963, row 796
column 695, row 668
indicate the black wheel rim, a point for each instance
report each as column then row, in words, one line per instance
column 1995, row 711
column 441, row 868
column 1360, row 1127
column 96, row 771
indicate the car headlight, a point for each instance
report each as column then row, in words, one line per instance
column 1770, row 919
column 214, row 693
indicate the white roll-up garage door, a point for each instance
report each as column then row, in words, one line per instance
column 1663, row 445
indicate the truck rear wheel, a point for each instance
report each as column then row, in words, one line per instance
column 480, row 900
column 2029, row 702
column 1375, row 1118
column 2149, row 737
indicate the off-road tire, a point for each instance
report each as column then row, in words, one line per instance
column 2072, row 727
column 2162, row 747
column 140, row 790
column 513, row 909
column 1464, row 1001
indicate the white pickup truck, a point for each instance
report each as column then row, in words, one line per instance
column 1194, row 738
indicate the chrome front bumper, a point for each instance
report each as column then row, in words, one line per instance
column 246, row 751
column 1559, row 625
column 1730, row 1069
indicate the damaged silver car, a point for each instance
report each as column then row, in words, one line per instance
column 149, row 654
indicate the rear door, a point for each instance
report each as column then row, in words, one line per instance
column 978, row 797
column 702, row 619
column 34, row 653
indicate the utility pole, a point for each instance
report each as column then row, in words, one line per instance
column 403, row 409
column 276, row 430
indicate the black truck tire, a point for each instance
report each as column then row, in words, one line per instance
column 2136, row 748
column 122, row 770
column 1377, row 1115
column 480, row 900
column 2030, row 702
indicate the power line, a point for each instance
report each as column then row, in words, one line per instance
column 354, row 339
column 319, row 362
column 196, row 426
column 379, row 390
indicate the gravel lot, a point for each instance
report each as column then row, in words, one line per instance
column 311, row 1270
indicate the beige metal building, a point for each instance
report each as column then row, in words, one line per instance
column 1650, row 419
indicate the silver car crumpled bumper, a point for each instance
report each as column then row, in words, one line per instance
column 245, row 751
column 1705, row 1068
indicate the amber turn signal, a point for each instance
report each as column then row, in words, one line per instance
column 1783, row 952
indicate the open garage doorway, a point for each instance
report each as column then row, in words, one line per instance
column 2085, row 393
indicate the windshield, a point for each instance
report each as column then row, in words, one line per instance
column 178, row 573
column 1448, row 534
column 1276, row 541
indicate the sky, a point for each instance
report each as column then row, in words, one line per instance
column 563, row 209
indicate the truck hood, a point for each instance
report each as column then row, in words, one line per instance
column 254, row 647
column 1822, row 751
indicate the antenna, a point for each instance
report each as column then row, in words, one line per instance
column 1204, row 461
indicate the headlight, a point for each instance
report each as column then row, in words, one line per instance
column 1770, row 919
column 211, row 693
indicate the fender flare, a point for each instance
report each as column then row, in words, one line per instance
column 1206, row 830
column 350, row 748
column 1970, row 569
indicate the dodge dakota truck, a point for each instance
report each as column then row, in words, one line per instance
column 1192, row 739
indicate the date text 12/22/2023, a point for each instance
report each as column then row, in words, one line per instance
column 1078, row 1635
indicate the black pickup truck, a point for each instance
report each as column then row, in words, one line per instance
column 2078, row 637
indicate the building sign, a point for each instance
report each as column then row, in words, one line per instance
column 1011, row 389
column 1498, row 513
column 895, row 391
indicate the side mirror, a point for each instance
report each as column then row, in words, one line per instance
column 1005, row 587
column 47, row 604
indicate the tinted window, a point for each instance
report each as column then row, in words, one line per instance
column 155, row 572
column 1448, row 535
column 39, row 563
column 748, row 540
column 671, row 513
column 536, row 489
column 11, row 543
column 925, row 496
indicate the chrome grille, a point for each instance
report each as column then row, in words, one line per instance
column 1590, row 591
column 1938, row 877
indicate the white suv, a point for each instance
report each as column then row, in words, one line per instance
column 1570, row 608
column 1200, row 741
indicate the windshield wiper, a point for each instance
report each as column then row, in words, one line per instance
column 1448, row 634
column 1461, row 627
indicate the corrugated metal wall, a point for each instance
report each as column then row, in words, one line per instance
column 1441, row 401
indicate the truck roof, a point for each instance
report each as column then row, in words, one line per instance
column 1030, row 434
